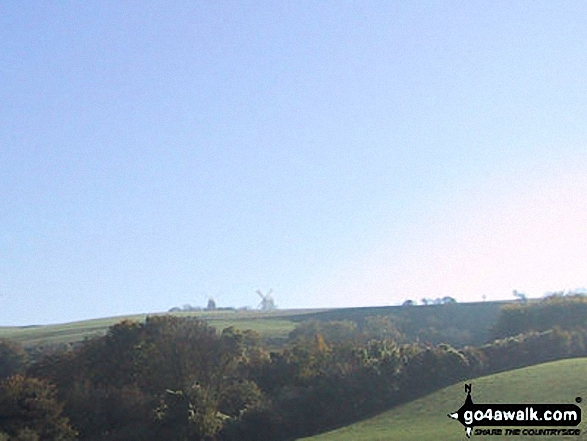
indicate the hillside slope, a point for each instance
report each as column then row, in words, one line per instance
column 425, row 419
column 459, row 324
column 272, row 324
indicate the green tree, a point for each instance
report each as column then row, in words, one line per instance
column 240, row 397
column 29, row 410
column 189, row 414
column 12, row 358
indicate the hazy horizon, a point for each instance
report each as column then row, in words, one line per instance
column 340, row 153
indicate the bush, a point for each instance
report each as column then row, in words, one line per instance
column 29, row 411
column 12, row 359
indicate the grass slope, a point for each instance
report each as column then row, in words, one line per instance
column 426, row 419
column 271, row 324
column 474, row 317
column 472, row 320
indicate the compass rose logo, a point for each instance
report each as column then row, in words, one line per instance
column 529, row 415
column 460, row 414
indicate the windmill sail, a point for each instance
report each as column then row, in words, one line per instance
column 267, row 303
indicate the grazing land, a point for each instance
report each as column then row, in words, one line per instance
column 425, row 419
column 271, row 324
column 457, row 324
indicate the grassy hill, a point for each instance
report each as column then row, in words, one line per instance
column 271, row 324
column 458, row 324
column 426, row 419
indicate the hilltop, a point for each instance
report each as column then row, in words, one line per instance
column 458, row 324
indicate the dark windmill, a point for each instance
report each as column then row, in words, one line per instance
column 267, row 303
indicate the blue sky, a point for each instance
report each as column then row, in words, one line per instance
column 340, row 153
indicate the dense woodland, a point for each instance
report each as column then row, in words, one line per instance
column 178, row 378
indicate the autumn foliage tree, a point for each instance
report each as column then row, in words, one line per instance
column 12, row 358
column 30, row 411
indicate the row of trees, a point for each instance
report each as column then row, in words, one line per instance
column 178, row 378
column 565, row 311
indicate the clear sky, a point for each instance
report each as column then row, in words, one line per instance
column 153, row 154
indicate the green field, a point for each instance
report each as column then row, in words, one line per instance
column 426, row 419
column 473, row 320
column 271, row 324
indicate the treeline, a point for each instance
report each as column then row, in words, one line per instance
column 563, row 311
column 457, row 324
column 179, row 379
